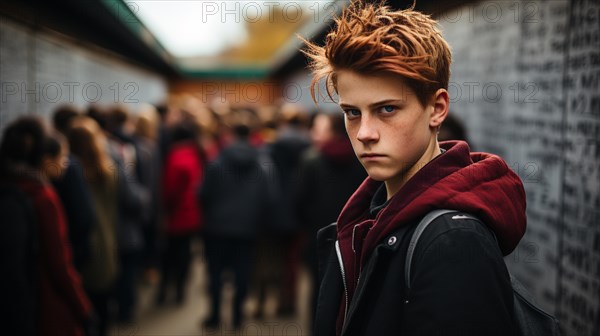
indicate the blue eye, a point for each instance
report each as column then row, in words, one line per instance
column 352, row 113
column 388, row 108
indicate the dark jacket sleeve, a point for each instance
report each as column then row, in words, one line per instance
column 460, row 286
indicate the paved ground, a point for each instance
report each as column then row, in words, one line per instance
column 184, row 320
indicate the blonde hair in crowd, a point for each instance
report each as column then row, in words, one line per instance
column 147, row 122
column 89, row 144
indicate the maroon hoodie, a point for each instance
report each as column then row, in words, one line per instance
column 480, row 184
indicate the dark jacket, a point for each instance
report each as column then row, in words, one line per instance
column 79, row 208
column 460, row 282
column 327, row 178
column 18, row 259
column 149, row 178
column 235, row 193
column 286, row 153
column 133, row 202
column 460, row 285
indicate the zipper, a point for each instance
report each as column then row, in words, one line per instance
column 353, row 233
column 357, row 257
column 340, row 261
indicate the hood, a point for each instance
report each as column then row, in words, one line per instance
column 480, row 184
column 240, row 155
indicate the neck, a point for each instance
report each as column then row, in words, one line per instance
column 394, row 184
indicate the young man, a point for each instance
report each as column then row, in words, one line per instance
column 235, row 197
column 390, row 70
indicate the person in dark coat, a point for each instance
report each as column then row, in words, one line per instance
column 132, row 215
column 235, row 199
column 75, row 195
column 146, row 134
column 286, row 153
column 329, row 174
column 30, row 157
column 390, row 70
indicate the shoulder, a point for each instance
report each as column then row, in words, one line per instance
column 214, row 166
column 36, row 189
column 13, row 197
column 182, row 156
column 42, row 195
column 48, row 196
column 458, row 278
column 459, row 236
column 327, row 233
column 326, row 237
column 454, row 222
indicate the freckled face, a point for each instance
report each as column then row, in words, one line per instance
column 392, row 134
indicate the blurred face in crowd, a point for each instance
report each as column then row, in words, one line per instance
column 392, row 133
column 53, row 167
column 321, row 131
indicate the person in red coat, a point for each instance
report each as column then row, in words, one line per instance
column 30, row 157
column 182, row 174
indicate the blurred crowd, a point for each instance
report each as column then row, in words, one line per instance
column 102, row 198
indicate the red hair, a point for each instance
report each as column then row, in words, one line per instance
column 372, row 38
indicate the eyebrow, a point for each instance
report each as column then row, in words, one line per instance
column 376, row 104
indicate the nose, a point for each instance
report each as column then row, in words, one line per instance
column 367, row 133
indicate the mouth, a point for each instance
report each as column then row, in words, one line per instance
column 370, row 156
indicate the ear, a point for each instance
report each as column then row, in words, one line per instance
column 441, row 105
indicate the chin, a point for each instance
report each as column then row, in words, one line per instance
column 378, row 175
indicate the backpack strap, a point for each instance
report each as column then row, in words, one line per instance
column 423, row 224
